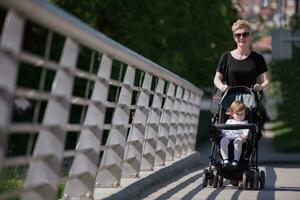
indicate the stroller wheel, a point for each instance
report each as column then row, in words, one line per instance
column 256, row 180
column 215, row 178
column 245, row 180
column 205, row 177
column 251, row 175
column 262, row 178
column 210, row 177
column 221, row 180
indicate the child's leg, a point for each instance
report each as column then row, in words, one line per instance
column 224, row 147
column 237, row 144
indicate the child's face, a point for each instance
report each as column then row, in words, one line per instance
column 239, row 115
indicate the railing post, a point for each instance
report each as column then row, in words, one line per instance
column 164, row 127
column 181, row 140
column 111, row 164
column 190, row 125
column 86, row 159
column 10, row 44
column 176, row 123
column 173, row 125
column 42, row 177
column 133, row 152
column 185, row 121
column 195, row 120
column 149, row 147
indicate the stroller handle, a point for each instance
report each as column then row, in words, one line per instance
column 235, row 126
column 259, row 94
column 248, row 88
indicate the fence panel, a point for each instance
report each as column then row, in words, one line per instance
column 80, row 111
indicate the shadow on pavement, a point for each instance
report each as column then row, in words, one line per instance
column 166, row 181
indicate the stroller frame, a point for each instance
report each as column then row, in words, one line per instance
column 248, row 170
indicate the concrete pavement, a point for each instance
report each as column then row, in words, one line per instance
column 188, row 168
column 131, row 186
column 282, row 182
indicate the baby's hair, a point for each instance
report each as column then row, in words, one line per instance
column 236, row 106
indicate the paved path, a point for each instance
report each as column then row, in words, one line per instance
column 282, row 180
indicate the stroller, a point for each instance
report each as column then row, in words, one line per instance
column 247, row 170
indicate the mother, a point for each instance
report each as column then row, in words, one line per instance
column 241, row 66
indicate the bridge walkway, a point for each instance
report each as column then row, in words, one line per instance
column 282, row 178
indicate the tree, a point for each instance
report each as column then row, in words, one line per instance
column 186, row 37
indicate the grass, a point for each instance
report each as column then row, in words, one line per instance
column 61, row 189
column 10, row 179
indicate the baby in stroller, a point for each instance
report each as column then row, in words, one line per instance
column 237, row 112
column 227, row 160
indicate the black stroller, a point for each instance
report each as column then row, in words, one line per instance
column 247, row 169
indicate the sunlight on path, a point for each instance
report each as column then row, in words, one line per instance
column 282, row 182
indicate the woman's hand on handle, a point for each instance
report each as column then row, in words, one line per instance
column 224, row 87
column 258, row 87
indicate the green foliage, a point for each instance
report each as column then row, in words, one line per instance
column 295, row 22
column 60, row 192
column 10, row 179
column 285, row 81
column 186, row 37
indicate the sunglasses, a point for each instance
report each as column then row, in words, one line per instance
column 244, row 35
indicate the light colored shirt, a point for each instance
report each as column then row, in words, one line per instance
column 233, row 134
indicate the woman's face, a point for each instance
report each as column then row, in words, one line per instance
column 242, row 37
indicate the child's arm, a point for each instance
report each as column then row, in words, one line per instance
column 245, row 132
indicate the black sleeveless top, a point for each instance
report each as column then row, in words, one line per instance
column 241, row 72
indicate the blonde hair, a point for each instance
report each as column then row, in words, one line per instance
column 236, row 106
column 241, row 24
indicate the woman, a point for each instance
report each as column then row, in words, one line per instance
column 241, row 66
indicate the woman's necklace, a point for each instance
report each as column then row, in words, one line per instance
column 241, row 55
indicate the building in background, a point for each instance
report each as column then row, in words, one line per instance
column 265, row 15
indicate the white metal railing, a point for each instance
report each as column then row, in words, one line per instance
column 133, row 114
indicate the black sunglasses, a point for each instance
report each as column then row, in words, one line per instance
column 244, row 35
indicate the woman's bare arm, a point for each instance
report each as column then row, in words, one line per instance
column 218, row 82
column 264, row 79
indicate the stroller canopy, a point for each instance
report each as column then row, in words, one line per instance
column 244, row 94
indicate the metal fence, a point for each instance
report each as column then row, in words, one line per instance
column 78, row 110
